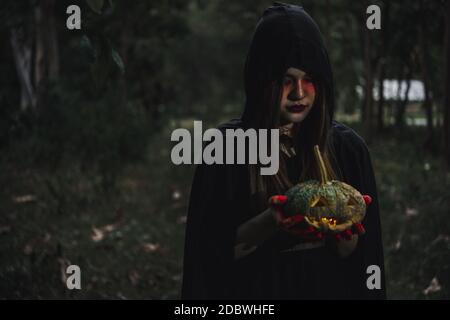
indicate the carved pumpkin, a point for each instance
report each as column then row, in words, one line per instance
column 327, row 205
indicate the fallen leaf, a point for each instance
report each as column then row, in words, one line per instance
column 109, row 228
column 97, row 235
column 134, row 277
column 182, row 220
column 24, row 198
column 28, row 249
column 433, row 287
column 410, row 212
column 151, row 247
column 121, row 296
column 440, row 238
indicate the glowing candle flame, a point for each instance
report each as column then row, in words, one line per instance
column 329, row 221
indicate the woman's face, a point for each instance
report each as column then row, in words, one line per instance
column 297, row 98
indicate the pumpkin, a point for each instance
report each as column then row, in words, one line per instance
column 329, row 206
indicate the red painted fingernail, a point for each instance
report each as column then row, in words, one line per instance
column 359, row 228
column 367, row 199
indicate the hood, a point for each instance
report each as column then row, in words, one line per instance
column 285, row 36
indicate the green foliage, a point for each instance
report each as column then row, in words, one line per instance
column 414, row 202
column 96, row 5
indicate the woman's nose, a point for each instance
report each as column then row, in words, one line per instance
column 298, row 92
column 300, row 88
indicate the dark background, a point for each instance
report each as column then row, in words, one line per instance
column 86, row 117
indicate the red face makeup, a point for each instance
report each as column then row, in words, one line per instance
column 307, row 86
column 297, row 97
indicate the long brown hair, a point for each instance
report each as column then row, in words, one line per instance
column 286, row 36
column 315, row 129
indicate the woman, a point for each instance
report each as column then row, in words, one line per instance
column 235, row 245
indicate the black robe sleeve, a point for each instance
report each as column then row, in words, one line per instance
column 354, row 159
column 217, row 198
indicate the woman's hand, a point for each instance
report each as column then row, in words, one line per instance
column 295, row 224
column 276, row 204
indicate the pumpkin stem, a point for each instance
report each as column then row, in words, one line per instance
column 323, row 171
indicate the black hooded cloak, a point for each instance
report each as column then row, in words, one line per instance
column 220, row 197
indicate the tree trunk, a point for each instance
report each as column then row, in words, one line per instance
column 328, row 25
column 46, row 60
column 368, row 106
column 403, row 103
column 382, row 66
column 427, row 104
column 53, row 52
column 124, row 45
column 446, row 125
column 380, row 112
column 39, row 54
column 21, row 44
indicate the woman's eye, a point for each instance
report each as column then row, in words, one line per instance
column 287, row 81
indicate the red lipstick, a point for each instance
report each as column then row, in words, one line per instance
column 296, row 108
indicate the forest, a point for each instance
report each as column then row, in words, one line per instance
column 86, row 116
